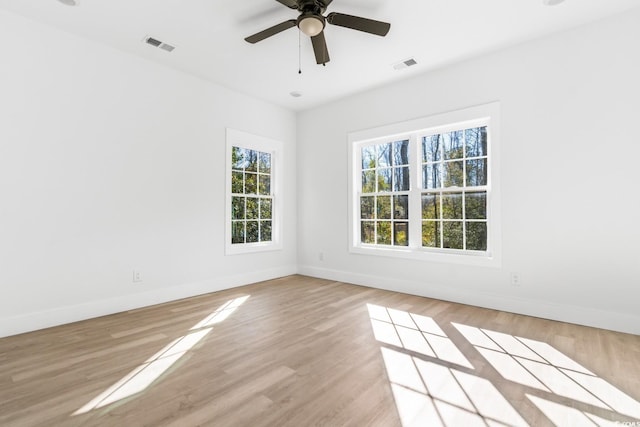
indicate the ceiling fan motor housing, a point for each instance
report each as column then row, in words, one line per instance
column 316, row 7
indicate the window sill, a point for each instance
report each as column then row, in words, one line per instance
column 247, row 248
column 480, row 259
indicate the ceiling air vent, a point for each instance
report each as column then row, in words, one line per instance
column 158, row 43
column 404, row 64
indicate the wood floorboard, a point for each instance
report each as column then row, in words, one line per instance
column 303, row 351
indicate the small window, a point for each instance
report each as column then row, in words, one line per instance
column 253, row 202
column 429, row 190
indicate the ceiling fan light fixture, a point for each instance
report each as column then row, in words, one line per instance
column 311, row 25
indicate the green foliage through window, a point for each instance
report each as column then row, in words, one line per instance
column 454, row 193
column 251, row 200
column 453, row 190
column 384, row 205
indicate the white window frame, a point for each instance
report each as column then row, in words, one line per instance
column 482, row 115
column 236, row 138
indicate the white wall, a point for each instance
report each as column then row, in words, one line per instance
column 110, row 163
column 570, row 152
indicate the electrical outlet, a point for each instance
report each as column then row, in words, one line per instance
column 515, row 279
column 321, row 256
column 137, row 276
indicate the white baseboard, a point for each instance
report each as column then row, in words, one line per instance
column 621, row 322
column 13, row 325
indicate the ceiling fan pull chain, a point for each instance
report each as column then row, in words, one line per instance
column 299, row 54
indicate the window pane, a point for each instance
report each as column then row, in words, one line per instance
column 401, row 233
column 452, row 175
column 431, row 148
column 476, row 141
column 265, row 231
column 476, row 172
column 368, row 232
column 237, row 232
column 264, row 184
column 431, row 176
column 475, row 205
column 251, row 160
column 265, row 208
column 400, row 207
column 384, row 179
column 369, row 181
column 367, row 207
column 251, row 183
column 452, row 145
column 252, row 232
column 431, row 234
column 401, row 153
column 477, row 236
column 264, row 164
column 452, row 206
column 384, row 207
column 237, row 184
column 237, row 158
column 401, row 179
column 252, row 208
column 430, row 206
column 369, row 157
column 452, row 235
column 384, row 232
column 384, row 155
column 237, row 207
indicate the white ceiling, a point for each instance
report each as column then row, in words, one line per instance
column 209, row 35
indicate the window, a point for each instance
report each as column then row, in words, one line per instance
column 454, row 189
column 253, row 202
column 428, row 188
column 384, row 203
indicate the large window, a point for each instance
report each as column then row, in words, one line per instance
column 429, row 189
column 252, row 197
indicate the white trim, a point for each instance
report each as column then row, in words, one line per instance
column 486, row 114
column 13, row 325
column 246, row 140
column 621, row 322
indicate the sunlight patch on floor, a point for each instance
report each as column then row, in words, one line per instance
column 538, row 365
column 413, row 332
column 221, row 313
column 144, row 375
column 562, row 415
column 429, row 394
column 434, row 384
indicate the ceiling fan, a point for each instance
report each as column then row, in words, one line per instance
column 312, row 23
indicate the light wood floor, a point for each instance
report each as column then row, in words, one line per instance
column 303, row 352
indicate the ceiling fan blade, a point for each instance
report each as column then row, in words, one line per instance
column 378, row 28
column 327, row 3
column 320, row 48
column 271, row 31
column 293, row 4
